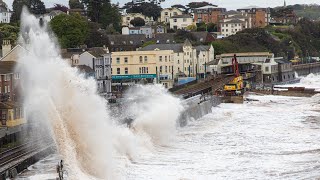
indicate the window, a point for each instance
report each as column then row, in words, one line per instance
column 222, row 30
column 226, row 25
column 17, row 76
column 126, row 70
column 140, row 58
column 111, row 70
column 118, row 60
column 175, row 13
column 174, row 20
column 267, row 69
column 178, row 61
column 222, row 25
column 166, row 13
column 118, row 70
column 166, row 69
column 126, row 60
column 5, row 89
column 160, row 58
column 160, row 69
column 147, row 70
column 145, row 59
column 7, row 77
column 226, row 30
column 184, row 19
column 165, row 58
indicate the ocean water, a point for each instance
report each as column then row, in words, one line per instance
column 272, row 138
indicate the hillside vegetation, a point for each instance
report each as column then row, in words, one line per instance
column 287, row 41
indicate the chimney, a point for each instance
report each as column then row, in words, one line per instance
column 6, row 47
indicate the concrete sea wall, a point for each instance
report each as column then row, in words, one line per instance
column 196, row 108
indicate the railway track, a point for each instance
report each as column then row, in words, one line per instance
column 10, row 157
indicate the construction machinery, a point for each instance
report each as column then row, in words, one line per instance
column 236, row 86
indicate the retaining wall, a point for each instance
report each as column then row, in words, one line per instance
column 195, row 109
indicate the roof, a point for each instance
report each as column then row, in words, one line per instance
column 84, row 69
column 182, row 16
column 203, row 36
column 202, row 48
column 251, row 7
column 164, row 38
column 55, row 13
column 282, row 61
column 68, row 53
column 208, row 7
column 231, row 12
column 97, row 51
column 233, row 21
column 237, row 16
column 132, row 39
column 213, row 62
column 175, row 47
column 7, row 67
column 245, row 54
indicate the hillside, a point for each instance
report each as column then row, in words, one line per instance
column 287, row 41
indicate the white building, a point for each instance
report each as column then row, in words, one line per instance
column 5, row 13
column 146, row 30
column 98, row 59
column 49, row 16
column 180, row 21
column 232, row 27
column 187, row 60
column 130, row 16
column 167, row 13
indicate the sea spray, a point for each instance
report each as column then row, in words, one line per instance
column 68, row 102
column 155, row 112
column 78, row 119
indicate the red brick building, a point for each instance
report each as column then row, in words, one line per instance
column 208, row 14
column 260, row 17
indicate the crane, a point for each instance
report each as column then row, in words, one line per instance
column 235, row 87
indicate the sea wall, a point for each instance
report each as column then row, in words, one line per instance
column 305, row 69
column 196, row 107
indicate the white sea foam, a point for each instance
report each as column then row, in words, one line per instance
column 77, row 117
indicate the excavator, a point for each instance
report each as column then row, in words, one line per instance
column 236, row 86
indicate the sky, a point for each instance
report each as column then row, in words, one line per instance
column 229, row 4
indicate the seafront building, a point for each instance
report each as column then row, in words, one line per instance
column 130, row 67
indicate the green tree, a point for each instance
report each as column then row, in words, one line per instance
column 211, row 27
column 8, row 31
column 147, row 9
column 193, row 5
column 34, row 6
column 96, row 36
column 102, row 11
column 138, row 21
column 182, row 35
column 192, row 27
column 75, row 4
column 71, row 30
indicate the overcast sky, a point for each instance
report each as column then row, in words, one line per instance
column 229, row 4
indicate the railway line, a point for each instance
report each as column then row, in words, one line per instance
column 11, row 157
